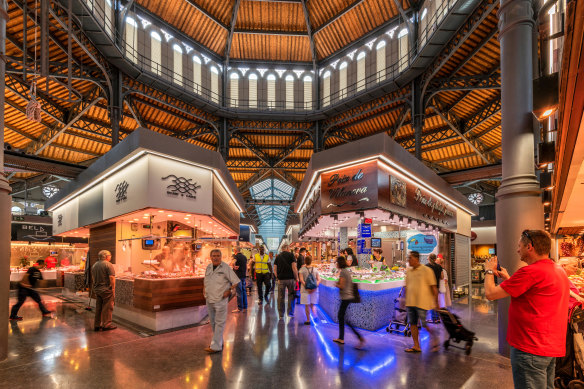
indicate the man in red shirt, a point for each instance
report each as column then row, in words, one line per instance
column 538, row 313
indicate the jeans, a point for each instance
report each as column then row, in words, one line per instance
column 532, row 371
column 217, row 318
column 284, row 285
column 104, row 309
column 341, row 317
column 263, row 279
column 241, row 295
column 23, row 293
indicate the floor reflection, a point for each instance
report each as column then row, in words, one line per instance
column 260, row 352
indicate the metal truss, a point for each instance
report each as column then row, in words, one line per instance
column 473, row 82
column 263, row 125
column 486, row 111
column 74, row 114
column 254, row 164
column 483, row 10
column 287, row 203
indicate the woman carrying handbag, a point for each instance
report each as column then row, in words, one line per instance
column 348, row 296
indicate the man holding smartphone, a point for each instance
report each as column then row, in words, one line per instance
column 538, row 313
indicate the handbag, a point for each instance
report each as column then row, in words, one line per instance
column 356, row 295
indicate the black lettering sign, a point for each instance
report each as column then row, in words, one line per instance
column 181, row 186
column 121, row 191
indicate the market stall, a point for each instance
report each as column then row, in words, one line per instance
column 374, row 197
column 377, row 290
column 159, row 205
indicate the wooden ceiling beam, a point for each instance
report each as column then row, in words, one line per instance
column 269, row 32
column 337, row 16
column 310, row 37
column 207, row 13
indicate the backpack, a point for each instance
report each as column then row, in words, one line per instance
column 310, row 282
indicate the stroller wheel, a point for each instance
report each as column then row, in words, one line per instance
column 388, row 330
column 446, row 344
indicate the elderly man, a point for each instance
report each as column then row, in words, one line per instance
column 104, row 287
column 220, row 282
column 538, row 312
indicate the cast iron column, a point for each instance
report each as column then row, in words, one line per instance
column 518, row 204
column 5, row 200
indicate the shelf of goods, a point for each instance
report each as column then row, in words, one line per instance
column 378, row 290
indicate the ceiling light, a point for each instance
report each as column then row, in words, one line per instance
column 161, row 211
column 169, row 215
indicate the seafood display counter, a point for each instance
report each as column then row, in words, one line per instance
column 378, row 290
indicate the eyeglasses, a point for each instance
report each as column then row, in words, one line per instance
column 526, row 234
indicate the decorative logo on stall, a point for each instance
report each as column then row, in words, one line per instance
column 343, row 192
column 424, row 244
column 60, row 221
column 181, row 186
column 121, row 191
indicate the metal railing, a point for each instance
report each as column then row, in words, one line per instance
column 187, row 84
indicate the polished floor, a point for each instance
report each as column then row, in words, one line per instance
column 260, row 352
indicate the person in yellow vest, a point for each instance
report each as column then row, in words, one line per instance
column 263, row 270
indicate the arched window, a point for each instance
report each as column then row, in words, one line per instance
column 253, row 90
column 215, row 84
column 326, row 88
column 343, row 80
column 197, row 74
column 155, row 52
column 177, row 64
column 307, row 92
column 289, row 91
column 131, row 39
column 380, row 48
column 403, row 49
column 109, row 18
column 234, row 89
column 361, row 71
column 271, row 91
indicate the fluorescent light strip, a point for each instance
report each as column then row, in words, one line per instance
column 394, row 168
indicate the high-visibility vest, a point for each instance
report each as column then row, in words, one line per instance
column 261, row 265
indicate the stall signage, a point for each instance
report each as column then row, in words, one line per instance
column 364, row 231
column 422, row 243
column 34, row 232
column 181, row 186
column 351, row 188
column 362, row 247
column 121, row 191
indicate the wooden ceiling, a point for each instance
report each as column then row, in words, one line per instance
column 337, row 23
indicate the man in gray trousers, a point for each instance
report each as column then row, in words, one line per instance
column 220, row 282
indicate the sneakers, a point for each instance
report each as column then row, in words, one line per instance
column 15, row 318
column 48, row 314
column 211, row 351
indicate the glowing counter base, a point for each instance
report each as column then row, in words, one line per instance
column 374, row 311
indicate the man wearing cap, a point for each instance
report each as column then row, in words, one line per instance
column 538, row 314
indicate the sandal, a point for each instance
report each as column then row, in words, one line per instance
column 412, row 350
column 307, row 323
column 340, row 341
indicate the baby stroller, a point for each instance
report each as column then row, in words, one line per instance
column 570, row 368
column 456, row 331
column 399, row 318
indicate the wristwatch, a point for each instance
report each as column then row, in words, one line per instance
column 489, row 272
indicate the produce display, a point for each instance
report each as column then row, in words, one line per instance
column 578, row 281
column 330, row 272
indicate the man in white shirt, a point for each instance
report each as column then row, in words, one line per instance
column 220, row 282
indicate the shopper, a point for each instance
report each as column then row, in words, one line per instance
column 538, row 312
column 421, row 296
column 104, row 287
column 350, row 257
column 444, row 299
column 437, row 269
column 287, row 275
column 219, row 283
column 263, row 273
column 240, row 267
column 308, row 292
column 273, row 276
column 345, row 285
column 25, row 289
column 301, row 257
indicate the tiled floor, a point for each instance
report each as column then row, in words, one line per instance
column 260, row 352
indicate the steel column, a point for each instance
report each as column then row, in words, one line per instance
column 116, row 105
column 417, row 115
column 5, row 200
column 518, row 205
